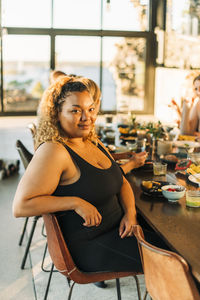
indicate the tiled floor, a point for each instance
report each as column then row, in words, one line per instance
column 30, row 283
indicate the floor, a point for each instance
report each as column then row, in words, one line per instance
column 30, row 283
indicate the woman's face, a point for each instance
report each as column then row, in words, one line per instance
column 197, row 88
column 78, row 114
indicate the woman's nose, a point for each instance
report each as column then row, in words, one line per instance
column 84, row 116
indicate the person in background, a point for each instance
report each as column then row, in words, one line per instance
column 73, row 175
column 189, row 112
column 134, row 160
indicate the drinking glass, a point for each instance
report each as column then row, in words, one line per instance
column 159, row 168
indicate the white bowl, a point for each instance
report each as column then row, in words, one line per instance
column 173, row 196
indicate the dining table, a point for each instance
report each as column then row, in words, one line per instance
column 177, row 224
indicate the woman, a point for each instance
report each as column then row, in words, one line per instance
column 134, row 160
column 190, row 112
column 73, row 175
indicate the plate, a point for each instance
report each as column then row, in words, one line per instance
column 156, row 188
column 194, row 179
column 186, row 144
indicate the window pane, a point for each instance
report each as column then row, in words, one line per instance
column 77, row 14
column 123, row 74
column 182, row 48
column 23, row 13
column 25, row 71
column 78, row 55
column 126, row 15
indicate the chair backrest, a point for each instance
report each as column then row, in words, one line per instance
column 167, row 275
column 25, row 155
column 62, row 258
column 32, row 128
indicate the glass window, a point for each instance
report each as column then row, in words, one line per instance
column 23, row 13
column 123, row 74
column 182, row 48
column 79, row 55
column 25, row 70
column 125, row 15
column 77, row 14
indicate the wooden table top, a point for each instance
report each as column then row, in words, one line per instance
column 177, row 224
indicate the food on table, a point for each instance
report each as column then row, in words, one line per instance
column 183, row 164
column 152, row 186
column 128, row 138
column 147, row 184
column 173, row 192
column 171, row 157
column 173, row 189
column 124, row 130
column 186, row 137
column 193, row 169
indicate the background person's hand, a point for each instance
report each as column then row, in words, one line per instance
column 127, row 225
column 88, row 212
column 139, row 158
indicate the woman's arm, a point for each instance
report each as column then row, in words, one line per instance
column 127, row 200
column 51, row 162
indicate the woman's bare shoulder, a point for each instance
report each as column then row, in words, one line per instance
column 52, row 151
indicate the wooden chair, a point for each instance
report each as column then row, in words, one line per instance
column 64, row 263
column 167, row 275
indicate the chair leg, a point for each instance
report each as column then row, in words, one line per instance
column 29, row 242
column 23, row 231
column 43, row 260
column 145, row 295
column 70, row 291
column 118, row 289
column 43, row 232
column 68, row 281
column 49, row 281
column 138, row 287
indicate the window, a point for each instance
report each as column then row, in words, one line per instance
column 23, row 13
column 182, row 47
column 129, row 15
column 72, row 60
column 110, row 44
column 25, row 71
column 123, row 74
column 77, row 14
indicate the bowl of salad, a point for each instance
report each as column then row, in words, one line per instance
column 173, row 192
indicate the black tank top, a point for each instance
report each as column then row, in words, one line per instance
column 98, row 186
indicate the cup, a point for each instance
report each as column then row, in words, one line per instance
column 164, row 147
column 193, row 198
column 159, row 168
column 131, row 145
column 141, row 145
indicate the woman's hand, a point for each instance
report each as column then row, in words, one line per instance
column 139, row 159
column 88, row 212
column 126, row 225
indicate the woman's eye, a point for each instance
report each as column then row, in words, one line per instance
column 75, row 111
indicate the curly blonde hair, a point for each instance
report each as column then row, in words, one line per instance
column 49, row 128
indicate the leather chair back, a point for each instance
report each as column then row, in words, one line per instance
column 167, row 275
